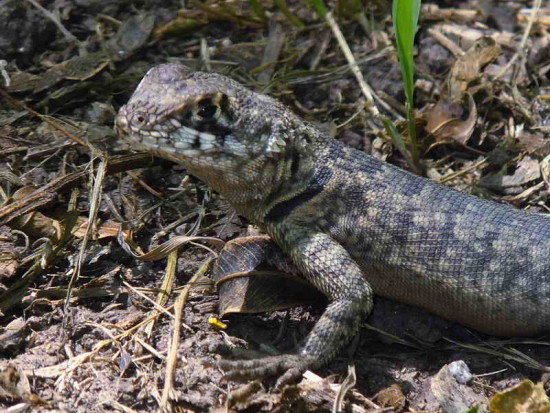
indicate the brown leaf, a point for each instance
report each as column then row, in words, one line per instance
column 392, row 397
column 77, row 68
column 446, row 119
column 467, row 67
column 455, row 114
column 527, row 170
column 246, row 286
column 525, row 397
column 534, row 144
column 165, row 248
column 14, row 383
column 9, row 254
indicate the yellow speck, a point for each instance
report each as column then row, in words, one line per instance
column 216, row 323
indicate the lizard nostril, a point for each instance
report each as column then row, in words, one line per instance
column 140, row 119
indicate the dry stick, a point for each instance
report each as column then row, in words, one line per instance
column 77, row 361
column 47, row 193
column 347, row 385
column 143, row 184
column 68, row 35
column 43, row 118
column 120, row 406
column 446, row 42
column 165, row 288
column 205, row 55
column 369, row 93
column 453, row 175
column 275, row 42
column 168, row 280
column 168, row 389
column 365, row 88
column 511, row 354
column 534, row 11
column 95, row 201
column 155, row 304
column 4, row 73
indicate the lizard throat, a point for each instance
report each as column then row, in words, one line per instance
column 184, row 141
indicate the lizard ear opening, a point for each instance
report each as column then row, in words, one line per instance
column 276, row 145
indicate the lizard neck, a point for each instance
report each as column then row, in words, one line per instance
column 256, row 186
column 246, row 188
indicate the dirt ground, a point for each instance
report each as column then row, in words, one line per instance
column 87, row 327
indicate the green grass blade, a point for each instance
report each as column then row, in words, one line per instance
column 319, row 7
column 405, row 20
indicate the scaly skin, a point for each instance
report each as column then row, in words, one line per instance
column 353, row 226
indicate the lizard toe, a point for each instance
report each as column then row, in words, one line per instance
column 289, row 366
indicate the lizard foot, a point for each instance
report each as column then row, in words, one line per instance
column 291, row 366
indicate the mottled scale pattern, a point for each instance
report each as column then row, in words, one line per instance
column 429, row 245
column 354, row 226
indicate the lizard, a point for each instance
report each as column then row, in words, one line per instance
column 354, row 226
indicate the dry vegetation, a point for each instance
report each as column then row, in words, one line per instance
column 85, row 326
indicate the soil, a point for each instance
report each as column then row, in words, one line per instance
column 74, row 303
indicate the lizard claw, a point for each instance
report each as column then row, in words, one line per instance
column 291, row 366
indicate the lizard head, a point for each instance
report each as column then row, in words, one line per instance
column 203, row 118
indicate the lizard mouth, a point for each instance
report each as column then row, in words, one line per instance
column 167, row 136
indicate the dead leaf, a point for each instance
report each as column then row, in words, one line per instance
column 107, row 229
column 455, row 114
column 77, row 68
column 392, row 397
column 245, row 284
column 446, row 119
column 165, row 248
column 131, row 36
column 14, row 384
column 34, row 224
column 179, row 26
column 13, row 336
column 534, row 144
column 23, row 82
column 525, row 397
column 9, row 254
column 467, row 67
column 527, row 170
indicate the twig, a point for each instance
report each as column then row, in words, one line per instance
column 456, row 174
column 521, row 46
column 4, row 73
column 365, row 88
column 95, row 201
column 354, row 67
column 68, row 35
column 42, row 117
column 171, row 363
column 446, row 42
column 158, row 306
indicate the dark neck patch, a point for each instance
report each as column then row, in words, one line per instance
column 315, row 186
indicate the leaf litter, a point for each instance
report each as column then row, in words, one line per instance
column 101, row 342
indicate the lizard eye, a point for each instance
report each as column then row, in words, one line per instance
column 208, row 110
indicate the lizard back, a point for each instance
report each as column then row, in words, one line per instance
column 475, row 261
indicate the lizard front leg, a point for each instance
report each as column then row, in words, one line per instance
column 329, row 267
